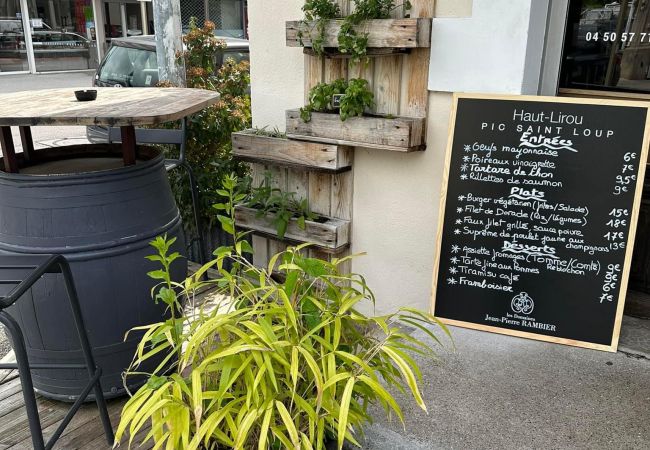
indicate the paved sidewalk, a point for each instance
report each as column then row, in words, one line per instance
column 17, row 83
column 41, row 135
column 501, row 392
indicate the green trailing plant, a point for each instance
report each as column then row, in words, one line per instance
column 280, row 206
column 275, row 365
column 356, row 98
column 350, row 40
column 318, row 12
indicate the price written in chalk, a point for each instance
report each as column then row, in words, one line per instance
column 539, row 211
column 622, row 182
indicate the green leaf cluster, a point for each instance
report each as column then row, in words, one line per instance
column 318, row 11
column 279, row 205
column 357, row 97
column 351, row 39
column 286, row 361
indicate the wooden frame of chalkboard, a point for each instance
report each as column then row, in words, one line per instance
column 509, row 160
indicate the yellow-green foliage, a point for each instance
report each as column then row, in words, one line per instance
column 283, row 364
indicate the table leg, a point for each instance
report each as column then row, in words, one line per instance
column 8, row 150
column 128, row 145
column 28, row 142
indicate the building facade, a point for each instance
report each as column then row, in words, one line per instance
column 535, row 47
column 63, row 34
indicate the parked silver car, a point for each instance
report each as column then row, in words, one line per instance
column 131, row 62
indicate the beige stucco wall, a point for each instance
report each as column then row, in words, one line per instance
column 396, row 196
column 277, row 81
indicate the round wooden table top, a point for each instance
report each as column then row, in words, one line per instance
column 114, row 107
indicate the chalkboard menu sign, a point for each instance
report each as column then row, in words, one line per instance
column 539, row 216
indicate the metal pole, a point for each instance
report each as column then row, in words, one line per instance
column 100, row 34
column 27, row 32
column 123, row 20
column 145, row 19
column 168, row 28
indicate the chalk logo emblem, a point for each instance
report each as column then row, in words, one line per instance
column 522, row 303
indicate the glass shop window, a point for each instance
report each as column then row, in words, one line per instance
column 607, row 46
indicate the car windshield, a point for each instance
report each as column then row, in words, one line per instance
column 129, row 67
column 237, row 55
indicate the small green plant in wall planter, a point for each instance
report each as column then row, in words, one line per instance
column 349, row 98
column 353, row 124
column 358, row 35
column 277, row 365
column 328, row 234
column 269, row 211
column 277, row 205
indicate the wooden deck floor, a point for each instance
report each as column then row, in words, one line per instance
column 84, row 432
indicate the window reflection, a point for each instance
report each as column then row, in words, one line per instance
column 13, row 52
column 63, row 34
column 607, row 46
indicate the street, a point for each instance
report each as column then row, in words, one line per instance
column 43, row 136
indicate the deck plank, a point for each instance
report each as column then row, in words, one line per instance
column 9, row 388
column 85, row 431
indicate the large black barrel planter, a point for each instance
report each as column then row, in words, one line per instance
column 81, row 202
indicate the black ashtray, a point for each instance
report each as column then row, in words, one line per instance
column 87, row 95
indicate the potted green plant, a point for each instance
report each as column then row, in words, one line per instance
column 351, row 121
column 369, row 30
column 286, row 364
column 268, row 210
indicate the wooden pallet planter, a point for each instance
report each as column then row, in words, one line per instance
column 400, row 134
column 291, row 153
column 382, row 33
column 332, row 235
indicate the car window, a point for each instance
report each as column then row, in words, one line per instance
column 129, row 67
column 236, row 55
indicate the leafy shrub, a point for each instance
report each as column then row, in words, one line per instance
column 285, row 364
column 208, row 135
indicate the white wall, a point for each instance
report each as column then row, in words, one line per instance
column 277, row 79
column 396, row 203
column 396, row 196
column 498, row 49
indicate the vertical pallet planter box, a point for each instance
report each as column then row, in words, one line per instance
column 382, row 33
column 331, row 235
column 400, row 134
column 291, row 153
